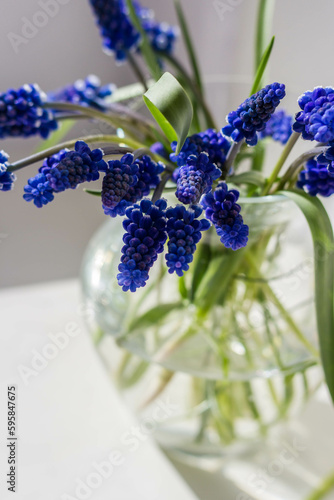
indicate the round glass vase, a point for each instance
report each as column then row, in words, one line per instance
column 213, row 361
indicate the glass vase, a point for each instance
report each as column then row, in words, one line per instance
column 212, row 362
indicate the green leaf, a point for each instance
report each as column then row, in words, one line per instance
column 262, row 66
column 263, row 29
column 252, row 177
column 217, row 279
column 188, row 43
column 201, row 264
column 171, row 108
column 153, row 316
column 128, row 92
column 57, row 136
column 323, row 242
column 183, row 287
column 145, row 45
column 93, row 192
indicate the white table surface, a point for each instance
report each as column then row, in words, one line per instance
column 70, row 417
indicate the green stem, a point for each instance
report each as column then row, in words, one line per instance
column 111, row 118
column 231, row 155
column 326, row 487
column 193, row 88
column 136, row 69
column 297, row 164
column 286, row 151
column 286, row 316
column 70, row 145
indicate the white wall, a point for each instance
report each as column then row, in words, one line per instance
column 48, row 243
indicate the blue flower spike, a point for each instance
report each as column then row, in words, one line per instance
column 120, row 176
column 195, row 178
column 7, row 178
column 87, row 92
column 81, row 165
column 146, row 174
column 184, row 229
column 278, row 127
column 252, row 115
column 222, row 210
column 210, row 141
column 316, row 179
column 315, row 121
column 22, row 114
column 145, row 236
column 120, row 36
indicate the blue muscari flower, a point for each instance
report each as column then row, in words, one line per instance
column 195, row 178
column 278, row 127
column 252, row 115
column 222, row 210
column 118, row 34
column 159, row 149
column 147, row 178
column 81, row 165
column 210, row 141
column 120, row 176
column 145, row 236
column 315, row 120
column 7, row 178
column 328, row 159
column 52, row 161
column 38, row 190
column 87, row 92
column 161, row 35
column 316, row 178
column 184, row 231
column 22, row 114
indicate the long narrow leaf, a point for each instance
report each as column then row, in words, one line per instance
column 145, row 46
column 262, row 66
column 263, row 28
column 171, row 108
column 189, row 44
column 323, row 241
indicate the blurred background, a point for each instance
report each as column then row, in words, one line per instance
column 44, row 244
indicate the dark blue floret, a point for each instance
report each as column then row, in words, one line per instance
column 209, row 141
column 87, row 92
column 81, row 165
column 38, row 190
column 147, row 178
column 195, row 178
column 120, row 176
column 184, row 231
column 315, row 121
column 222, row 210
column 316, row 179
column 252, row 115
column 278, row 127
column 22, row 114
column 7, row 179
column 145, row 236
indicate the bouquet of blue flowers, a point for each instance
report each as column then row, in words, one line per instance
column 178, row 152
